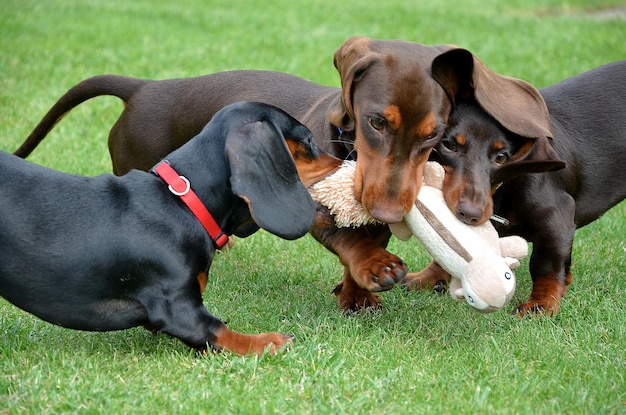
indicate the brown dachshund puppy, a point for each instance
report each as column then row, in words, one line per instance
column 109, row 253
column 391, row 110
column 483, row 157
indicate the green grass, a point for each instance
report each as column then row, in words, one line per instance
column 424, row 353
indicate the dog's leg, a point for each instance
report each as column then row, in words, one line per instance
column 353, row 298
column 548, row 290
column 182, row 315
column 432, row 277
column 369, row 267
column 551, row 274
column 201, row 331
column 551, row 259
column 251, row 343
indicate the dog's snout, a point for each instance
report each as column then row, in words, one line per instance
column 387, row 214
column 469, row 213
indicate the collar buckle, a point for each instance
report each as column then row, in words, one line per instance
column 181, row 187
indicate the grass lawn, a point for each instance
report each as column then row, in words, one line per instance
column 424, row 353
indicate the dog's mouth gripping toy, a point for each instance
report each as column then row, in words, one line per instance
column 478, row 260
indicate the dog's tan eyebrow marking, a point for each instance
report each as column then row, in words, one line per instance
column 498, row 145
column 393, row 116
column 460, row 139
column 427, row 126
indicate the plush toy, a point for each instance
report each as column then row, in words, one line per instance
column 479, row 262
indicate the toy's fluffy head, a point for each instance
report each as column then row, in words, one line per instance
column 336, row 192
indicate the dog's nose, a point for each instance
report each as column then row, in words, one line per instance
column 469, row 213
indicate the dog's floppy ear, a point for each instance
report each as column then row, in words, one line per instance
column 453, row 70
column 351, row 60
column 515, row 104
column 541, row 157
column 264, row 174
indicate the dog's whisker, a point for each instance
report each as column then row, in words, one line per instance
column 500, row 219
column 345, row 142
column 349, row 156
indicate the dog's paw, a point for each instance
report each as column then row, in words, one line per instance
column 432, row 277
column 545, row 297
column 378, row 270
column 354, row 299
column 270, row 342
column 547, row 307
column 256, row 344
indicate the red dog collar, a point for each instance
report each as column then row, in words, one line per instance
column 180, row 186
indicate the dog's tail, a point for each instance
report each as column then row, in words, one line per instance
column 122, row 87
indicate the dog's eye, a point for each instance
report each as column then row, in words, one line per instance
column 502, row 157
column 450, row 144
column 379, row 123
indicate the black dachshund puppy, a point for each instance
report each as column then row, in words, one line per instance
column 108, row 253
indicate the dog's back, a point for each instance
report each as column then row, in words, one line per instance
column 176, row 118
column 58, row 238
column 588, row 117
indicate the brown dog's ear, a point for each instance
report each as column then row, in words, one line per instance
column 351, row 60
column 514, row 103
column 539, row 157
column 264, row 174
column 453, row 71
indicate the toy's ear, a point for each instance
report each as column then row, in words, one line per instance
column 264, row 174
column 351, row 60
column 455, row 288
column 434, row 175
column 512, row 263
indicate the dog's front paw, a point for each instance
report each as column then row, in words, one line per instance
column 432, row 277
column 548, row 307
column 352, row 298
column 251, row 343
column 545, row 297
column 377, row 270
column 270, row 342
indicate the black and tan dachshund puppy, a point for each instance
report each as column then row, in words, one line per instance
column 588, row 119
column 108, row 253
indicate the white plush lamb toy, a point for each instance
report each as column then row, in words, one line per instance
column 478, row 261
